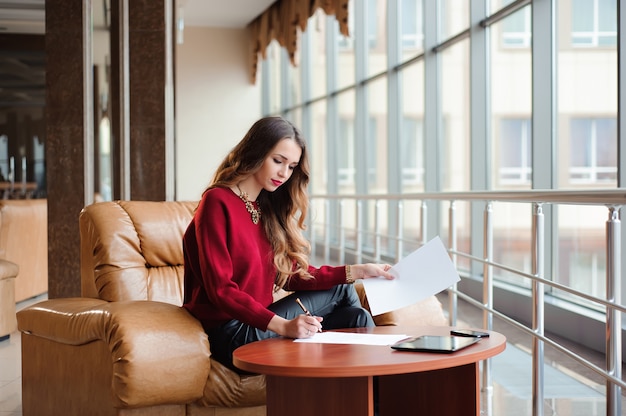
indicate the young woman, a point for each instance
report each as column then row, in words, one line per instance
column 245, row 242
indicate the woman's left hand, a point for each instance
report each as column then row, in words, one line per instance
column 369, row 270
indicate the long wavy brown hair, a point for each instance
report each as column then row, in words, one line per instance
column 285, row 209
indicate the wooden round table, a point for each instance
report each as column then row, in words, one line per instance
column 343, row 379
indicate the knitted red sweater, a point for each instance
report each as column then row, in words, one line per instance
column 229, row 269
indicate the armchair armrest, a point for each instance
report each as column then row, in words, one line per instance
column 159, row 352
column 8, row 269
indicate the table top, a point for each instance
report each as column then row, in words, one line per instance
column 284, row 357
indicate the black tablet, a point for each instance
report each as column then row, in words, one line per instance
column 434, row 343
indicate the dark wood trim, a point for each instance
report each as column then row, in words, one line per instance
column 22, row 42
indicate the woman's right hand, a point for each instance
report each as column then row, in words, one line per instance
column 302, row 326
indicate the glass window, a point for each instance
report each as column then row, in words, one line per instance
column 411, row 27
column 318, row 142
column 39, row 169
column 345, row 152
column 376, row 36
column 345, row 143
column 511, row 110
column 594, row 23
column 515, row 152
column 412, row 101
column 376, row 149
column 317, row 34
column 376, row 15
column 581, row 251
column 593, row 150
column 294, row 83
column 412, row 152
column 454, row 17
column 4, row 158
column 455, row 117
column 274, row 55
column 516, row 29
column 106, row 163
column 586, row 111
column 345, row 62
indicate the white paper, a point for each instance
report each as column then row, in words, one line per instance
column 352, row 338
column 423, row 273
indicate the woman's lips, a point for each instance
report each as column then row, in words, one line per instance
column 276, row 183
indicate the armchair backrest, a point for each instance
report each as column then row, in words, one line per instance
column 132, row 250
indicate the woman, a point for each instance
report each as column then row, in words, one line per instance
column 245, row 242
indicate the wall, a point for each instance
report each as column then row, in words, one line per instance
column 215, row 103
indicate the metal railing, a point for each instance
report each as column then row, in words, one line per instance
column 331, row 211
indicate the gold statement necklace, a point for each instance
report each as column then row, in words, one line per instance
column 256, row 213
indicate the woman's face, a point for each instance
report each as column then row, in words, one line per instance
column 279, row 165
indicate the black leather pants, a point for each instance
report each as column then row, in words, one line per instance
column 340, row 307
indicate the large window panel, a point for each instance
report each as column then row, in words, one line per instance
column 318, row 55
column 412, row 130
column 412, row 154
column 455, row 17
column 455, row 117
column 346, row 172
column 274, row 56
column 512, row 237
column 318, row 144
column 411, row 28
column 587, row 111
column 593, row 151
column 345, row 144
column 346, row 57
column 594, row 23
column 514, row 153
column 516, row 29
column 582, row 254
column 375, row 142
column 294, row 84
column 376, row 36
column 511, row 108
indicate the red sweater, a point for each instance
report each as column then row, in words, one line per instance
column 229, row 269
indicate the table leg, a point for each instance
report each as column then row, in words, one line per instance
column 303, row 396
column 449, row 392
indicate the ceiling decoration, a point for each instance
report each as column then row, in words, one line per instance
column 281, row 22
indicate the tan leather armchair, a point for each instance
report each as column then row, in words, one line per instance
column 8, row 273
column 127, row 347
column 24, row 241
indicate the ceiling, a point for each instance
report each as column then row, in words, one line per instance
column 22, row 72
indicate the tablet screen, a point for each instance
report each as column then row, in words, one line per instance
column 435, row 343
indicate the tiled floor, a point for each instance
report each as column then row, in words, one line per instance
column 570, row 389
column 11, row 369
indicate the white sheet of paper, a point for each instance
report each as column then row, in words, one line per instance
column 352, row 338
column 423, row 273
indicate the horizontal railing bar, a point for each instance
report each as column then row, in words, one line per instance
column 605, row 197
column 524, row 328
column 551, row 283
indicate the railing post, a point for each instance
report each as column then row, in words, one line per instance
column 613, row 317
column 488, row 288
column 452, row 297
column 424, row 222
column 538, row 308
column 359, row 231
column 327, row 233
column 311, row 228
column 377, row 231
column 400, row 232
column 342, row 233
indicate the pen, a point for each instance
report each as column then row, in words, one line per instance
column 306, row 312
